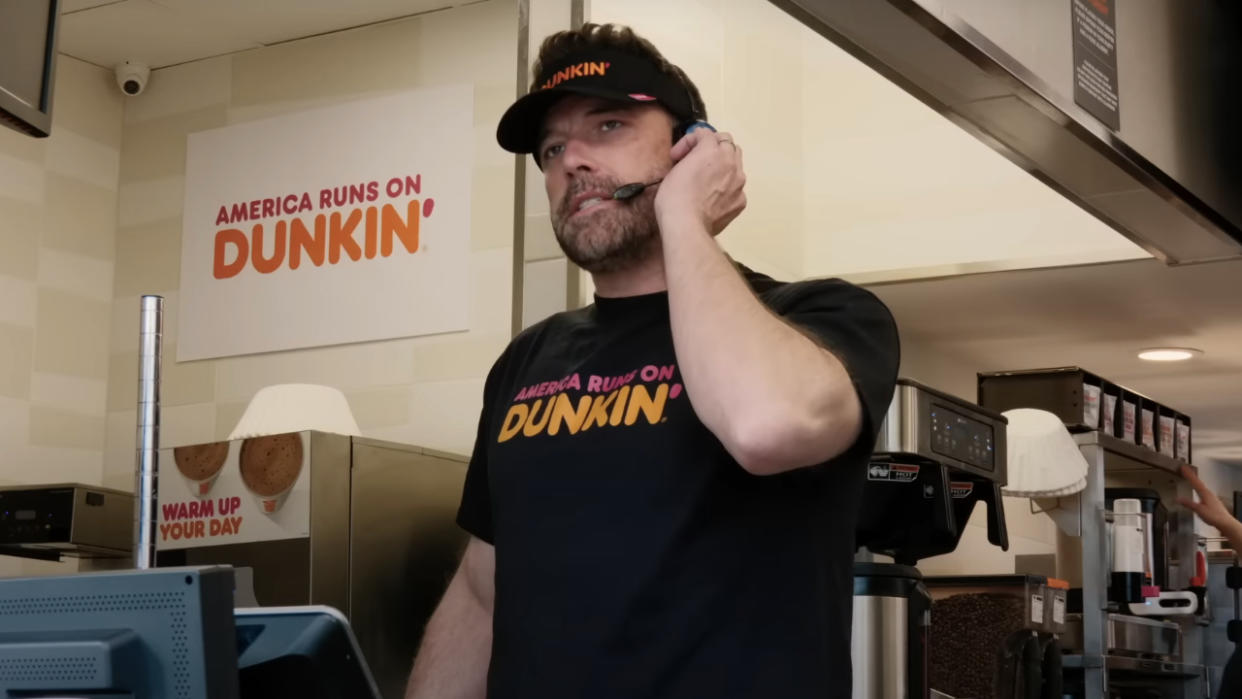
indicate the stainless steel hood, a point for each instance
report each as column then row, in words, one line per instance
column 1169, row 177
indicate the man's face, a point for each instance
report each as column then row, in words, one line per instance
column 589, row 148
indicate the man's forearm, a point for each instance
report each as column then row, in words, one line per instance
column 1233, row 532
column 775, row 398
column 453, row 659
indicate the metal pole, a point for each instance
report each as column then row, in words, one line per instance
column 150, row 351
column 1095, row 564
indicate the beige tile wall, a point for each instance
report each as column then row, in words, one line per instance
column 57, row 246
column 425, row 391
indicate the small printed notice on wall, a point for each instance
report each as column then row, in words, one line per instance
column 1095, row 59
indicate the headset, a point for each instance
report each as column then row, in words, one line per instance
column 628, row 191
column 695, row 122
column 688, row 127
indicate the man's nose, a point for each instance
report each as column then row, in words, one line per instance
column 577, row 156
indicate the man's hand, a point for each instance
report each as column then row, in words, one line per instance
column 774, row 398
column 1211, row 510
column 705, row 184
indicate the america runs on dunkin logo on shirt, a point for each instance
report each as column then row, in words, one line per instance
column 663, row 490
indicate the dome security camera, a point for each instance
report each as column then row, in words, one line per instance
column 132, row 76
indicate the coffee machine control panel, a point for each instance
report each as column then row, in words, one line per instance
column 35, row 516
column 929, row 425
column 959, row 437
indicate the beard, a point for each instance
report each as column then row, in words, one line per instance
column 611, row 239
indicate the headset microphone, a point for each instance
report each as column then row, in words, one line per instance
column 633, row 189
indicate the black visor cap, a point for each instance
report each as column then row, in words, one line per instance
column 610, row 75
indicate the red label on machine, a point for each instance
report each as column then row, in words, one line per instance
column 895, row 473
column 961, row 489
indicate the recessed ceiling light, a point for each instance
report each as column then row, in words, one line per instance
column 1168, row 354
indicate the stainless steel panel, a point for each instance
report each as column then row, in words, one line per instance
column 405, row 547
column 106, row 525
column 95, row 531
column 1170, row 57
column 1141, row 666
column 1124, row 455
column 329, row 519
column 1004, row 72
column 280, row 569
column 900, row 431
column 1147, row 636
column 878, row 647
column 1125, row 634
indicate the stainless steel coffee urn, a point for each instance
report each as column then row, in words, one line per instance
column 892, row 614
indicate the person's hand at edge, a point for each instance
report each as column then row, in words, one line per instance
column 1211, row 510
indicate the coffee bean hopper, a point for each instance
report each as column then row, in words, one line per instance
column 936, row 457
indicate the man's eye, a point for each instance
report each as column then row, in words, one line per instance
column 610, row 125
column 552, row 151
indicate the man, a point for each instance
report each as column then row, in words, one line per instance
column 663, row 493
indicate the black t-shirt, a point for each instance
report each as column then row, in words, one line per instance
column 634, row 556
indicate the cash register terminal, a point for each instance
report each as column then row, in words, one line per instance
column 169, row 633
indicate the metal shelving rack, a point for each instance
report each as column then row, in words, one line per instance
column 1113, row 462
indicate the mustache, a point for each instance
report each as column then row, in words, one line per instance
column 580, row 186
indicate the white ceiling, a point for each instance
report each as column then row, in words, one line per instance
column 1096, row 317
column 162, row 33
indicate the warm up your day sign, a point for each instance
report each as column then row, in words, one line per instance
column 334, row 225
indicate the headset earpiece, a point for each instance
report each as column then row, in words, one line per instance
column 687, row 127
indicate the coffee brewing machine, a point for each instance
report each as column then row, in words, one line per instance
column 935, row 458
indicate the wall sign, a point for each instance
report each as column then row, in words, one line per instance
column 341, row 224
column 235, row 492
column 1094, row 25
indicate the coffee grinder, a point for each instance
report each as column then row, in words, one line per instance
column 935, row 458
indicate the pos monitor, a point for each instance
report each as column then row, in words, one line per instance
column 137, row 634
column 169, row 633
